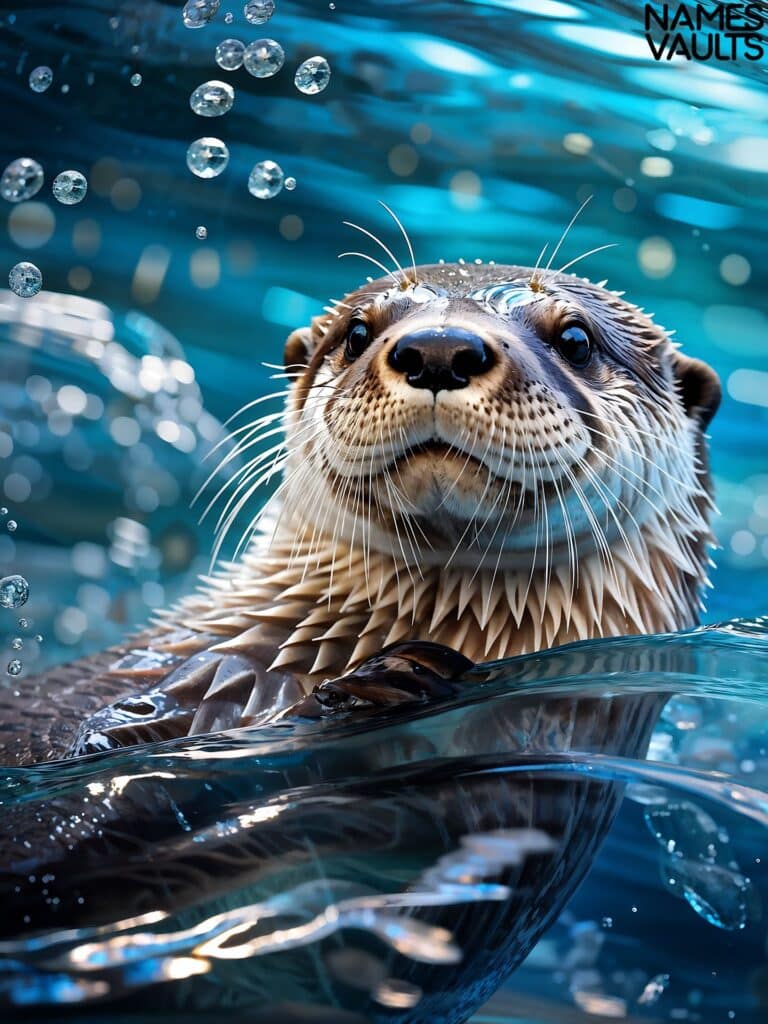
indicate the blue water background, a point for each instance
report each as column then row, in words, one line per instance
column 484, row 125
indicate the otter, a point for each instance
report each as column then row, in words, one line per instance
column 495, row 459
column 478, row 461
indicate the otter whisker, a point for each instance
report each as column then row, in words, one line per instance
column 278, row 463
column 244, row 469
column 584, row 255
column 503, row 497
column 598, row 533
column 534, row 279
column 602, row 489
column 248, row 431
column 376, row 263
column 378, row 241
column 657, row 437
column 643, row 456
column 257, row 401
column 399, row 223
column 564, row 235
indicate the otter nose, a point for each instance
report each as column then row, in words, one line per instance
column 440, row 359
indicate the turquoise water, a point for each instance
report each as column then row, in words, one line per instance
column 484, row 125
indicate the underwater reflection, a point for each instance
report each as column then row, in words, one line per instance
column 396, row 864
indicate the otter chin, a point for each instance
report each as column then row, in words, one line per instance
column 494, row 458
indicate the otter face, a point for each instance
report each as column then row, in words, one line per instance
column 493, row 415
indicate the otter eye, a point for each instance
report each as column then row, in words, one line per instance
column 575, row 345
column 359, row 337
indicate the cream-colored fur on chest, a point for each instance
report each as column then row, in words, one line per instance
column 317, row 610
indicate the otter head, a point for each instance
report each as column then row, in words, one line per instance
column 497, row 416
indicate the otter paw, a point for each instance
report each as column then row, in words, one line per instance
column 409, row 672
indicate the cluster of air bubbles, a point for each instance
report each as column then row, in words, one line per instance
column 25, row 280
column 70, row 187
column 14, row 591
column 22, row 179
column 212, row 99
column 201, row 232
column 266, row 180
column 40, row 78
column 258, row 11
column 207, row 157
column 312, row 76
column 198, row 13
column 229, row 54
column 263, row 58
column 136, row 79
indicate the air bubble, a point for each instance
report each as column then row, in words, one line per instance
column 259, row 11
column 229, row 54
column 70, row 187
column 14, row 667
column 265, row 180
column 40, row 78
column 24, row 280
column 207, row 157
column 263, row 58
column 22, row 179
column 212, row 99
column 313, row 76
column 198, row 13
column 14, row 591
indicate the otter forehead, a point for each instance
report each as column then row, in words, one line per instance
column 504, row 302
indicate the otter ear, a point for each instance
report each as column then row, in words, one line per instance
column 298, row 348
column 699, row 388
